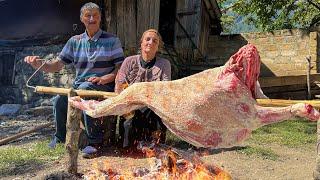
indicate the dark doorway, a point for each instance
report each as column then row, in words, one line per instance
column 7, row 69
column 167, row 20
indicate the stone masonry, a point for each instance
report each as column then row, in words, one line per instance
column 283, row 52
column 18, row 92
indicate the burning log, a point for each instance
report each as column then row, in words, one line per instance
column 168, row 164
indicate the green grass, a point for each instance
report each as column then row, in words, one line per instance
column 265, row 153
column 13, row 159
column 173, row 140
column 293, row 133
column 296, row 133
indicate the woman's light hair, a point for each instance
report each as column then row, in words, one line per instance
column 157, row 33
column 89, row 5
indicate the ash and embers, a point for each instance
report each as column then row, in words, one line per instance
column 164, row 163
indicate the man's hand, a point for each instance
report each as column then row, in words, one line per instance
column 54, row 65
column 34, row 61
column 85, row 105
column 102, row 80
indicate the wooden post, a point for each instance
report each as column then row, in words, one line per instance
column 308, row 58
column 73, row 131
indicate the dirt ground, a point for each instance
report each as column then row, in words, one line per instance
column 293, row 163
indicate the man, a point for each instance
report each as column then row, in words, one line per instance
column 96, row 56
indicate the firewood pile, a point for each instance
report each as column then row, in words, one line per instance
column 165, row 163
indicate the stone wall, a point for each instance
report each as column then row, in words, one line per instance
column 19, row 92
column 283, row 52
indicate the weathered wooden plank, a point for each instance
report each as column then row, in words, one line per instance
column 147, row 15
column 195, row 26
column 111, row 16
column 120, row 21
column 156, row 13
column 130, row 25
column 191, row 23
column 287, row 80
column 181, row 6
column 204, row 30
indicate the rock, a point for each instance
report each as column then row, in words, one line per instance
column 9, row 109
column 23, row 117
column 43, row 102
column 40, row 111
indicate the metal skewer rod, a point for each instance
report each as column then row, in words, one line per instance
column 35, row 72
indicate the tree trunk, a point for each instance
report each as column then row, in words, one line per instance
column 73, row 131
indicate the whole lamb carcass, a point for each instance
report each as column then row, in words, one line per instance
column 213, row 108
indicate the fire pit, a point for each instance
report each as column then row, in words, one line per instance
column 164, row 163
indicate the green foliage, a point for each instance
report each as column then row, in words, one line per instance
column 269, row 15
column 14, row 159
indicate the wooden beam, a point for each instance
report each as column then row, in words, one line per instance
column 186, row 13
column 183, row 36
column 287, row 80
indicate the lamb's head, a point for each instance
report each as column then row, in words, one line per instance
column 245, row 64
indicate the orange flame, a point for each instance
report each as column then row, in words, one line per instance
column 169, row 168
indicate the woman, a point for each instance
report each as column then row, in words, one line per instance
column 143, row 124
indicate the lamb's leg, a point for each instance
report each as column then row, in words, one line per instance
column 269, row 115
column 134, row 97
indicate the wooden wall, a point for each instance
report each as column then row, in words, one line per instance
column 129, row 19
column 195, row 18
column 187, row 11
column 147, row 15
column 204, row 29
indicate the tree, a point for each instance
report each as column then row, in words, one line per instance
column 268, row 15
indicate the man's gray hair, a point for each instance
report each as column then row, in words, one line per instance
column 89, row 5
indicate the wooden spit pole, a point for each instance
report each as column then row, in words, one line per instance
column 105, row 95
column 283, row 102
column 82, row 93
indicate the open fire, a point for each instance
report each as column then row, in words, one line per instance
column 167, row 163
